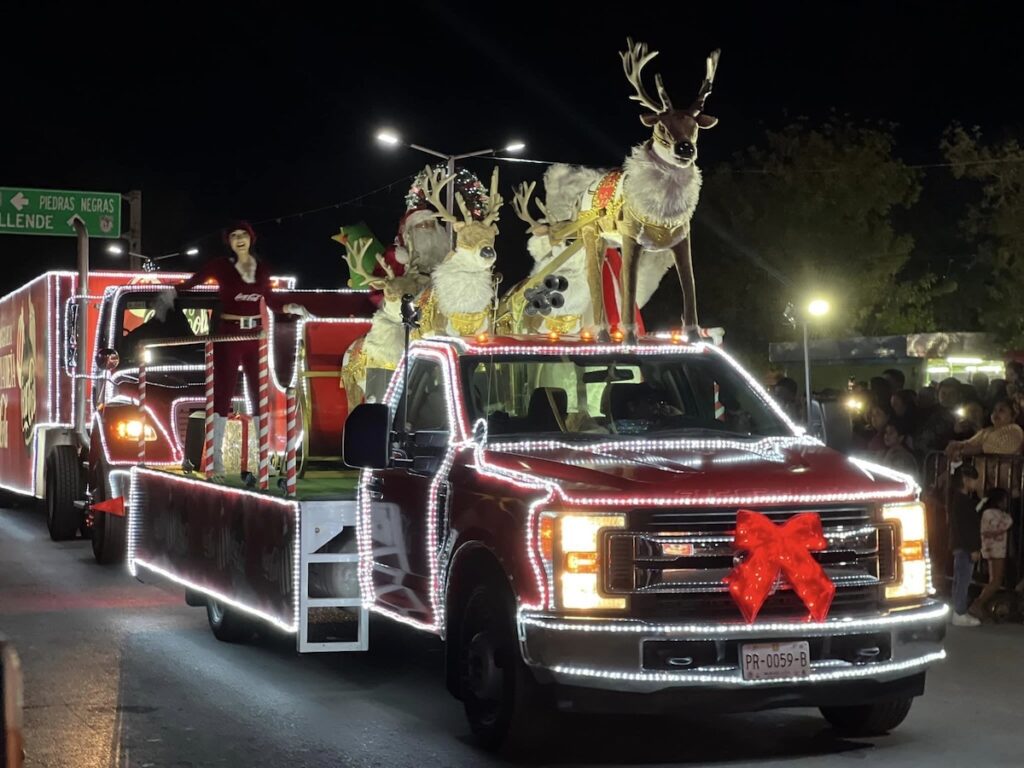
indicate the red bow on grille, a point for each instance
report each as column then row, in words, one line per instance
column 784, row 548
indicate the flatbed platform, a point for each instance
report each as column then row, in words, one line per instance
column 314, row 485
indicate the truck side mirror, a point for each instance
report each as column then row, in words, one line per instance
column 107, row 359
column 366, row 442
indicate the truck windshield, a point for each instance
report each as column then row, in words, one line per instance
column 190, row 316
column 674, row 395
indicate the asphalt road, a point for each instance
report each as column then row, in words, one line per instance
column 120, row 673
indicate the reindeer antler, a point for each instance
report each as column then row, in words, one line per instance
column 634, row 59
column 705, row 89
column 354, row 255
column 435, row 181
column 494, row 201
column 521, row 206
column 389, row 273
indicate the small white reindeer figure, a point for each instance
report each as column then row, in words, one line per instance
column 367, row 365
column 460, row 301
column 646, row 206
column 545, row 249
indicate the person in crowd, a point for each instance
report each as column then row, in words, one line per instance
column 904, row 410
column 897, row 456
column 1014, row 375
column 1004, row 436
column 895, row 378
column 995, row 524
column 964, row 540
column 996, row 391
column 881, row 391
column 926, row 399
column 879, row 417
column 936, row 423
column 785, row 393
column 980, row 383
column 970, row 417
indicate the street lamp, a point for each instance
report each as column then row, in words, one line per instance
column 392, row 139
column 149, row 262
column 815, row 308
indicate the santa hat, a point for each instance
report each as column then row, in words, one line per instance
column 234, row 226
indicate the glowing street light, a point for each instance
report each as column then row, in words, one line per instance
column 817, row 307
column 148, row 262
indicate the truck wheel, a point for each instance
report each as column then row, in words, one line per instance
column 108, row 532
column 868, row 719
column 503, row 702
column 63, row 489
column 229, row 625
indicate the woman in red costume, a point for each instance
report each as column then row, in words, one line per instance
column 242, row 282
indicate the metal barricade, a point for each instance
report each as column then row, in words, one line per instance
column 1004, row 471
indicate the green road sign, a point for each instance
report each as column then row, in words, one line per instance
column 25, row 211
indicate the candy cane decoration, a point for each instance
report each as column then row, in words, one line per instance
column 208, row 441
column 263, row 411
column 719, row 408
column 292, row 438
column 142, row 407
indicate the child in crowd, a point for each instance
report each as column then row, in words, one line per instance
column 995, row 522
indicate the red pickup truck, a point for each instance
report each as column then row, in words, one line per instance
column 612, row 527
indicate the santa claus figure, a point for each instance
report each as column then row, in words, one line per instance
column 243, row 283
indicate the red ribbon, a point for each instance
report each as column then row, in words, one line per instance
column 775, row 549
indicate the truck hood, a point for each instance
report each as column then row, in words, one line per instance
column 773, row 470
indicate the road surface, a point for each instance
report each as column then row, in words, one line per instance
column 120, row 673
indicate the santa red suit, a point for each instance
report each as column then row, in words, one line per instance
column 243, row 285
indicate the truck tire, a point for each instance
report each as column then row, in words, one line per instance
column 503, row 702
column 229, row 625
column 868, row 719
column 108, row 531
column 63, row 483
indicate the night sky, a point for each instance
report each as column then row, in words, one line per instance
column 266, row 110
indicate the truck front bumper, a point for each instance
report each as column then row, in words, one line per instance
column 854, row 656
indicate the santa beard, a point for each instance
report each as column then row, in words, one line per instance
column 428, row 247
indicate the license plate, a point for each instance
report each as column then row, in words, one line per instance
column 772, row 661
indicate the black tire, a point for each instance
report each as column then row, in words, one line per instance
column 108, row 531
column 868, row 719
column 504, row 704
column 229, row 625
column 63, row 483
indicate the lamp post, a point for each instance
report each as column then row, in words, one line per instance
column 391, row 139
column 816, row 308
column 149, row 262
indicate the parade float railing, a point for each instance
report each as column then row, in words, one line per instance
column 1004, row 471
column 263, row 412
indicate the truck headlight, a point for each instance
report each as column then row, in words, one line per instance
column 130, row 429
column 578, row 569
column 911, row 549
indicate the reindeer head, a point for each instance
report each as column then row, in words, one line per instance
column 474, row 239
column 675, row 130
column 394, row 287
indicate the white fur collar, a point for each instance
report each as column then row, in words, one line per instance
column 463, row 284
column 659, row 191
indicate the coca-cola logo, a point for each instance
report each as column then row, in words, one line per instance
column 248, row 297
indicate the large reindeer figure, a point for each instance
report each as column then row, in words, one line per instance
column 646, row 206
column 460, row 301
column 367, row 365
column 545, row 250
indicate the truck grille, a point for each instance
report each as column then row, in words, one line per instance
column 673, row 563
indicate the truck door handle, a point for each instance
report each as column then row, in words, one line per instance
column 375, row 487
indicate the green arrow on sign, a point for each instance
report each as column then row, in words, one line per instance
column 26, row 211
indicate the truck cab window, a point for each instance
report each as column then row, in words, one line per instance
column 428, row 407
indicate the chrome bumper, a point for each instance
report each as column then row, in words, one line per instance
column 609, row 654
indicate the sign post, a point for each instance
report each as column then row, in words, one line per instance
column 26, row 211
